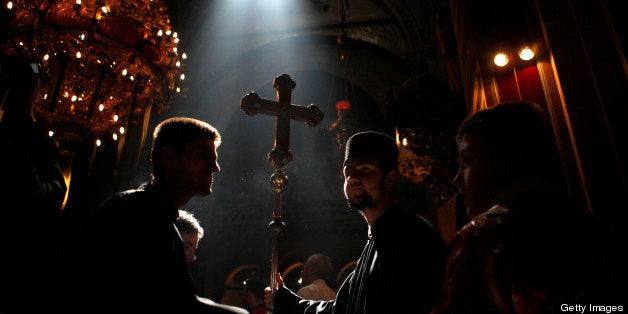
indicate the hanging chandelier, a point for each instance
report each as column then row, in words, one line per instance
column 108, row 64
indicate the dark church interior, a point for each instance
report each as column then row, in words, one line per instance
column 413, row 69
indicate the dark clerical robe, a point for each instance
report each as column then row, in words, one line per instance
column 400, row 270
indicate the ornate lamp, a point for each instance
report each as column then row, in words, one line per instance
column 109, row 64
column 344, row 126
column 426, row 114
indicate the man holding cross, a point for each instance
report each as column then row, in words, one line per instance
column 387, row 278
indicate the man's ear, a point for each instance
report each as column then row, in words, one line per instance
column 391, row 180
column 168, row 156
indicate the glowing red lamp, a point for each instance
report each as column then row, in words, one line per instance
column 343, row 105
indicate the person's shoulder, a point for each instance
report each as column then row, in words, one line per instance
column 401, row 214
column 478, row 235
column 119, row 201
column 123, row 196
column 306, row 292
column 414, row 222
column 494, row 218
column 415, row 227
column 492, row 228
column 304, row 289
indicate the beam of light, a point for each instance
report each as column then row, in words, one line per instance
column 227, row 29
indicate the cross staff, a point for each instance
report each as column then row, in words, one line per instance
column 280, row 156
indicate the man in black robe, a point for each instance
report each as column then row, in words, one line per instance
column 401, row 267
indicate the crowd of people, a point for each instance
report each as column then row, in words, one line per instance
column 518, row 253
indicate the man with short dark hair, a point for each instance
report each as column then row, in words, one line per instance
column 400, row 269
column 135, row 258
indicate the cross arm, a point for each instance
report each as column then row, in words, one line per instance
column 253, row 104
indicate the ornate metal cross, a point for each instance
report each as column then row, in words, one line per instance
column 280, row 156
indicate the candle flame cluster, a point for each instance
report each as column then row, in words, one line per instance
column 108, row 64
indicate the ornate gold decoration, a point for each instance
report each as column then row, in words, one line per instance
column 108, row 63
column 426, row 114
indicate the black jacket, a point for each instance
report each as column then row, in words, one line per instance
column 400, row 270
column 134, row 261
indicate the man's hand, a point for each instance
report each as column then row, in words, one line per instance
column 269, row 295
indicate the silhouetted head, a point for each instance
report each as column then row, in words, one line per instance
column 508, row 143
column 376, row 145
column 20, row 79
